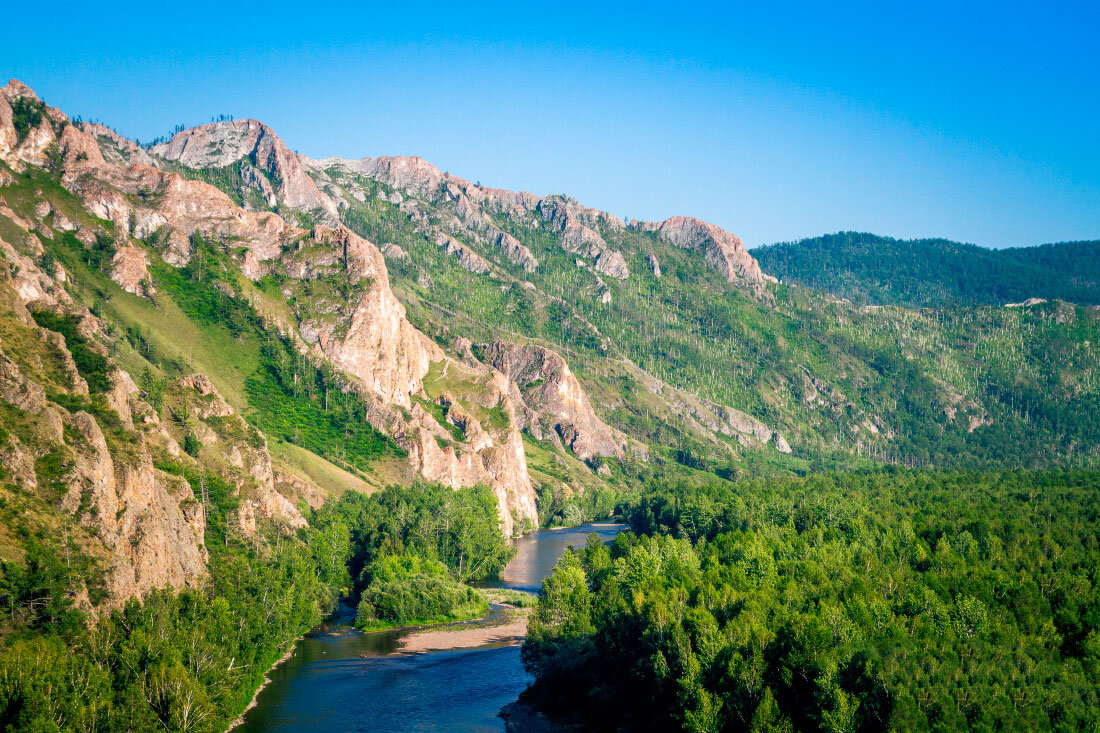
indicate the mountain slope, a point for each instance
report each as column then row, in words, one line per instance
column 674, row 328
column 866, row 268
column 548, row 350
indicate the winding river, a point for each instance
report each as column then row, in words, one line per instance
column 340, row 679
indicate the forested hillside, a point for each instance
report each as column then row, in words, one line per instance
column 866, row 268
column 876, row 601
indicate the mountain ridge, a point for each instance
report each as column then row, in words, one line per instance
column 551, row 351
column 933, row 272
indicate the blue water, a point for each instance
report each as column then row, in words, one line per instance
column 340, row 679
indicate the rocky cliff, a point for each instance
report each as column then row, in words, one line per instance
column 577, row 228
column 722, row 251
column 555, row 405
column 272, row 169
column 363, row 332
column 459, row 420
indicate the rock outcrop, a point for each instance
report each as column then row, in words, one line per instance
column 557, row 407
column 466, row 257
column 514, row 251
column 722, row 251
column 130, row 270
column 376, row 343
column 219, row 144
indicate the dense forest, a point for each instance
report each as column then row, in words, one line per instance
column 191, row 661
column 894, row 600
column 866, row 268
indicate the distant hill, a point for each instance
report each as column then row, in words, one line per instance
column 867, row 268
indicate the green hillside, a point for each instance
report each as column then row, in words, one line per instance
column 866, row 268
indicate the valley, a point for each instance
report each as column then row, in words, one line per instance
column 242, row 389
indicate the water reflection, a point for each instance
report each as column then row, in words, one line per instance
column 538, row 553
column 340, row 679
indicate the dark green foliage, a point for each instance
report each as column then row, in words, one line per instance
column 934, row 272
column 186, row 661
column 152, row 389
column 460, row 529
column 413, row 547
column 36, row 594
column 26, row 115
column 900, row 600
column 191, row 445
column 92, row 365
column 192, row 660
column 201, row 289
column 292, row 397
column 401, row 590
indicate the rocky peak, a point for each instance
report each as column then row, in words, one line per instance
column 219, row 144
column 115, row 148
column 722, row 251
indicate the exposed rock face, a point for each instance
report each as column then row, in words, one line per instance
column 557, row 404
column 149, row 520
column 376, row 344
column 489, row 454
column 652, row 261
column 515, row 252
column 466, row 257
column 603, row 293
column 242, row 447
column 372, row 341
column 722, row 251
column 129, row 270
column 146, row 525
column 116, row 149
column 390, row 358
column 221, row 143
column 394, row 252
column 612, row 264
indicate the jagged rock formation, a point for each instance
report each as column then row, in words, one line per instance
column 273, row 170
column 515, row 252
column 578, row 227
column 116, row 149
column 557, row 407
column 722, row 251
column 654, row 264
column 130, row 270
column 370, row 339
column 465, row 256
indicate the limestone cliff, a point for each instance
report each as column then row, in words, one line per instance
column 272, row 168
column 556, row 406
column 365, row 335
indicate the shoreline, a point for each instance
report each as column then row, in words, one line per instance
column 512, row 629
column 239, row 720
column 424, row 639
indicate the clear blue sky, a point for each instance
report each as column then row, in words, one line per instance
column 977, row 122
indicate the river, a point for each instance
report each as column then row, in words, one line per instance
column 340, row 679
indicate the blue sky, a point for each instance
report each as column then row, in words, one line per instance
column 976, row 122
